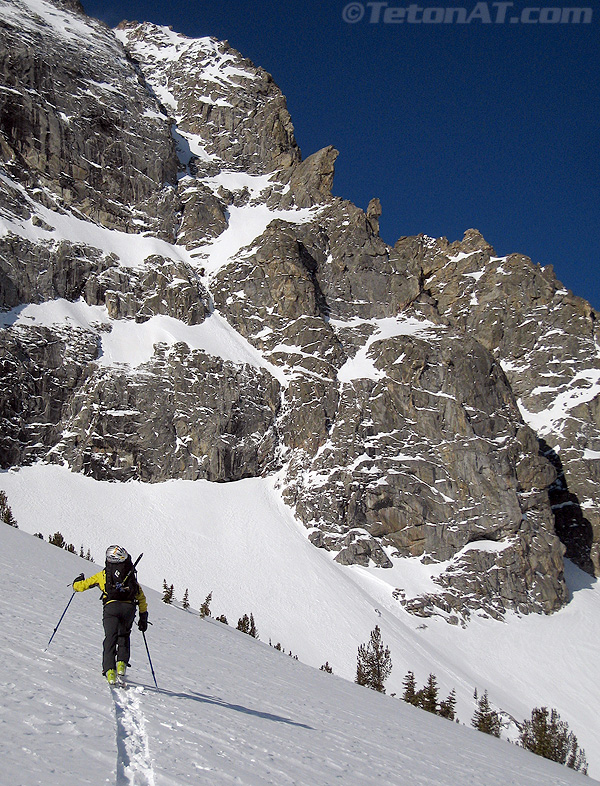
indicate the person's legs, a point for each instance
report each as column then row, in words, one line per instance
column 110, row 619
column 126, row 617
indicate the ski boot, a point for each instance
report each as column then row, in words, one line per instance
column 121, row 668
column 111, row 677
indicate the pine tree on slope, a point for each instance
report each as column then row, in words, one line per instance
column 486, row 719
column 373, row 663
column 548, row 736
column 410, row 689
column 253, row 629
column 448, row 706
column 247, row 625
column 167, row 593
column 205, row 607
column 6, row 514
column 427, row 697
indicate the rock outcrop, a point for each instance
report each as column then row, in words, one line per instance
column 546, row 340
column 79, row 126
column 40, row 370
column 182, row 415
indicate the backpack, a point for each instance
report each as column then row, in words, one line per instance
column 121, row 581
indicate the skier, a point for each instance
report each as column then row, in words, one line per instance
column 120, row 595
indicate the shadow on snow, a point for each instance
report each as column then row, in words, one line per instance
column 217, row 702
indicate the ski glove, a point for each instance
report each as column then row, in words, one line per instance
column 81, row 577
column 143, row 621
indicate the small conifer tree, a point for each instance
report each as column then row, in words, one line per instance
column 6, row 514
column 447, row 707
column 205, row 607
column 428, row 695
column 253, row 631
column 410, row 689
column 167, row 596
column 326, row 667
column 548, row 736
column 57, row 540
column 222, row 618
column 373, row 662
column 486, row 719
column 244, row 624
column 247, row 625
column 186, row 600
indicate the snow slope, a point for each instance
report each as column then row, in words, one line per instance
column 229, row 710
column 239, row 541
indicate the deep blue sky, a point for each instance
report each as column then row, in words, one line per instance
column 493, row 126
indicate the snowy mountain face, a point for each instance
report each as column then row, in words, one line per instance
column 428, row 400
column 185, row 302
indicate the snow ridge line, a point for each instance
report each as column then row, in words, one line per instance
column 134, row 765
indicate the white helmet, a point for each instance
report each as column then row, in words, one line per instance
column 116, row 554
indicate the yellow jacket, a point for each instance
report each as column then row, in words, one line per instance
column 99, row 580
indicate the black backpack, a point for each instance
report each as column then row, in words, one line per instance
column 121, row 581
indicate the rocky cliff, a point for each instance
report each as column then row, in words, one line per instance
column 428, row 400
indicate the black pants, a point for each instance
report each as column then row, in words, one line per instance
column 118, row 619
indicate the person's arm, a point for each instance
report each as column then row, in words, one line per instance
column 141, row 600
column 97, row 580
column 143, row 620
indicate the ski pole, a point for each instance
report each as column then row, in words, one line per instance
column 60, row 620
column 149, row 659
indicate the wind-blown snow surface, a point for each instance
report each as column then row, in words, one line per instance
column 228, row 709
column 238, row 541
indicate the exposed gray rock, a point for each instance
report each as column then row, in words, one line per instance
column 162, row 286
column 184, row 414
column 35, row 272
column 203, row 214
column 546, row 340
column 71, row 5
column 430, row 459
column 77, row 122
column 374, row 213
column 40, row 369
column 311, row 181
column 233, row 109
column 519, row 577
column 360, row 276
column 357, row 548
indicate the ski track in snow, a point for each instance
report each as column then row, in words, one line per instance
column 134, row 765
